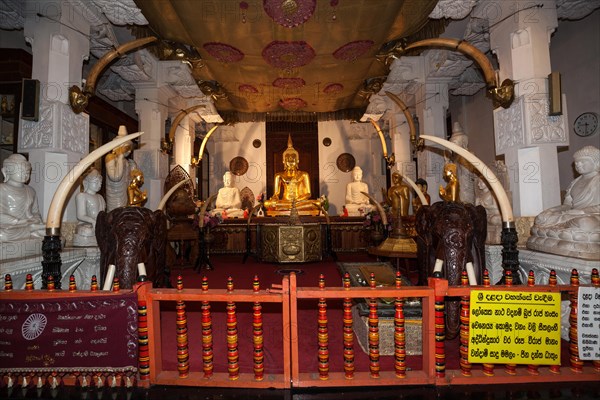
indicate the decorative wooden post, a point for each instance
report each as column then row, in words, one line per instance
column 487, row 368
column 143, row 349
column 595, row 279
column 207, row 339
column 116, row 287
column 531, row 368
column 576, row 363
column 8, row 285
column 374, row 366
column 399, row 333
column 233, row 365
column 465, row 301
column 183, row 356
column 72, row 284
column 94, row 284
column 440, row 336
column 49, row 285
column 29, row 282
column 323, row 334
column 257, row 330
column 553, row 281
column 348, row 332
column 510, row 368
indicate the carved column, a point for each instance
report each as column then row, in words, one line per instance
column 151, row 107
column 524, row 133
column 60, row 138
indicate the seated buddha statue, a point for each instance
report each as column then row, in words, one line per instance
column 291, row 185
column 452, row 189
column 229, row 202
column 356, row 202
column 573, row 228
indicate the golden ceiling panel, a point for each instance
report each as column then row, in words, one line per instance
column 287, row 55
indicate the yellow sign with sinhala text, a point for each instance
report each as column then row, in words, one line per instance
column 514, row 327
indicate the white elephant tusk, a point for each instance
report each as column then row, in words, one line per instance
column 487, row 174
column 163, row 201
column 471, row 274
column 438, row 266
column 58, row 200
column 110, row 275
column 203, row 145
column 417, row 190
column 381, row 137
column 379, row 208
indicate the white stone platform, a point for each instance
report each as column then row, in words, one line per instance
column 82, row 262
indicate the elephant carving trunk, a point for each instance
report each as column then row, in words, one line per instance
column 454, row 233
column 130, row 235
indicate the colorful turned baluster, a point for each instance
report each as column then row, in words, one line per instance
column 440, row 336
column 510, row 369
column 50, row 283
column 487, row 368
column 94, row 284
column 399, row 333
column 532, row 369
column 8, row 286
column 233, row 365
column 207, row 339
column 553, row 281
column 72, row 284
column 576, row 363
column 116, row 287
column 373, row 332
column 465, row 301
column 183, row 356
column 257, row 331
column 595, row 279
column 29, row 282
column 323, row 334
column 348, row 332
column 143, row 349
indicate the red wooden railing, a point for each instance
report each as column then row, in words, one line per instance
column 288, row 296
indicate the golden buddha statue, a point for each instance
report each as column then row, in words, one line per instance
column 452, row 189
column 136, row 196
column 291, row 185
column 398, row 196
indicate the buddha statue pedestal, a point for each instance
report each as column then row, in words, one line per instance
column 290, row 243
column 279, row 213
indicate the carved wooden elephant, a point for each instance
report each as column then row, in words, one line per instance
column 130, row 235
column 454, row 233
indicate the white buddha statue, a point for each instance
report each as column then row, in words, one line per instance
column 357, row 203
column 573, row 228
column 89, row 205
column 229, row 201
column 19, row 213
column 118, row 171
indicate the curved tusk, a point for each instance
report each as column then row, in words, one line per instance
column 203, row 210
column 203, row 145
column 163, row 201
column 417, row 190
column 381, row 136
column 380, row 209
column 58, row 200
column 409, row 119
column 178, row 119
column 486, row 173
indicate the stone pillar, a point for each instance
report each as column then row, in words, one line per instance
column 432, row 104
column 524, row 133
column 185, row 135
column 151, row 107
column 60, row 138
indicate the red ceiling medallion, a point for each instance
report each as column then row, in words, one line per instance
column 287, row 55
column 292, row 104
column 223, row 52
column 245, row 88
column 290, row 13
column 289, row 83
column 353, row 50
column 333, row 88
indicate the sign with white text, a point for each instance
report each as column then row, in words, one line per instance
column 514, row 327
column 588, row 323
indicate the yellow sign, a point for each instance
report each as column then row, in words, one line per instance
column 514, row 327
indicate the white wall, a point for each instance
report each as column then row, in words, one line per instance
column 575, row 53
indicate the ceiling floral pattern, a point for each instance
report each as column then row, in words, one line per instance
column 224, row 52
column 290, row 13
column 353, row 50
column 286, row 55
column 289, row 83
column 292, row 104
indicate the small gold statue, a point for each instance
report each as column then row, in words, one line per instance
column 452, row 189
column 291, row 185
column 137, row 197
column 398, row 196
